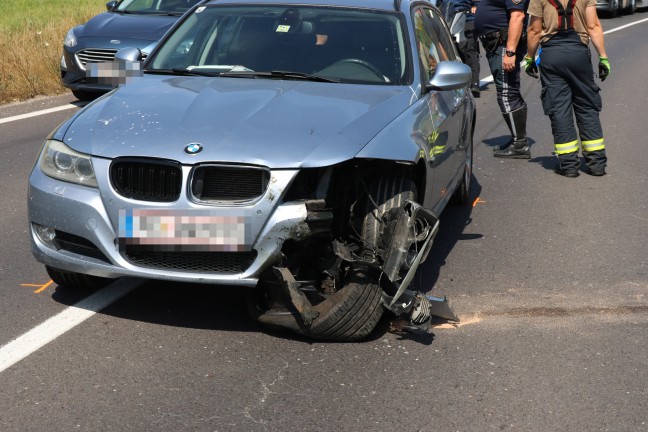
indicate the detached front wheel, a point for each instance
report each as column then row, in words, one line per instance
column 356, row 309
column 352, row 312
column 349, row 314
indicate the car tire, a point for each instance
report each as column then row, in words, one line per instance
column 461, row 195
column 632, row 7
column 357, row 307
column 352, row 312
column 384, row 194
column 76, row 280
column 349, row 314
column 614, row 9
column 84, row 95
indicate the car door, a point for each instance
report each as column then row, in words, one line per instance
column 443, row 121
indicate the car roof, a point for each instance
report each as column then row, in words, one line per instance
column 388, row 5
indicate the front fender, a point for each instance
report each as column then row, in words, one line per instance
column 401, row 140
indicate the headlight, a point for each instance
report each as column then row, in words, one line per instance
column 70, row 39
column 61, row 162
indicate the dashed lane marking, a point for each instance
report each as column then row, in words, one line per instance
column 59, row 324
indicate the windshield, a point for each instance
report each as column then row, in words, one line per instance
column 173, row 7
column 340, row 44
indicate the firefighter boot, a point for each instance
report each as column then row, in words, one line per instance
column 519, row 148
column 596, row 162
column 568, row 164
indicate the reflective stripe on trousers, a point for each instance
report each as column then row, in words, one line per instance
column 568, row 90
column 507, row 84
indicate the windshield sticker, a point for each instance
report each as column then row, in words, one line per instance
column 283, row 28
column 200, row 9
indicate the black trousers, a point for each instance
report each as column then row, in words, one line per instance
column 469, row 51
column 507, row 84
column 568, row 91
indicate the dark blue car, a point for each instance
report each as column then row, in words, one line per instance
column 128, row 23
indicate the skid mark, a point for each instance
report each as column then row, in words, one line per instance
column 567, row 312
column 464, row 322
column 545, row 312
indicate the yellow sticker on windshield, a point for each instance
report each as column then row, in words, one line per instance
column 283, row 28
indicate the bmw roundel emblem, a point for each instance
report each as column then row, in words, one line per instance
column 193, row 148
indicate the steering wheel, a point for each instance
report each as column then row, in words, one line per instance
column 365, row 64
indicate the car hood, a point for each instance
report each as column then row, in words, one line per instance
column 273, row 123
column 115, row 25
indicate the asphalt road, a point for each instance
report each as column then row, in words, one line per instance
column 549, row 276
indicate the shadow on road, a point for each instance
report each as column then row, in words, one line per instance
column 546, row 162
column 454, row 221
column 176, row 304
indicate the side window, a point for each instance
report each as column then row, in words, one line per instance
column 444, row 38
column 432, row 40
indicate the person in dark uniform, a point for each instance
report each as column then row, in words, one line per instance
column 564, row 30
column 469, row 47
column 500, row 25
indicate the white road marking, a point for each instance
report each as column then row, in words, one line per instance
column 39, row 336
column 625, row 26
column 38, row 113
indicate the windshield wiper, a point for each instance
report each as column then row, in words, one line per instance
column 279, row 74
column 177, row 14
column 128, row 12
column 181, row 71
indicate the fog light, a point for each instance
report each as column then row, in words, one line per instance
column 45, row 234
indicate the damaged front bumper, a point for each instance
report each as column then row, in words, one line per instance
column 411, row 230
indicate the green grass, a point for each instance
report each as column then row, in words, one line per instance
column 31, row 41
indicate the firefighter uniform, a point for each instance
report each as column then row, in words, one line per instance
column 492, row 20
column 568, row 87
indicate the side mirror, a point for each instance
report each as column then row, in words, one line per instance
column 111, row 4
column 450, row 75
column 128, row 55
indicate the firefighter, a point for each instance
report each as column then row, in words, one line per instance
column 500, row 25
column 564, row 29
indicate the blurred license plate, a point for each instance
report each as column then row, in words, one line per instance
column 182, row 230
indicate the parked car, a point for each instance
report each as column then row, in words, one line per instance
column 304, row 150
column 128, row 23
column 612, row 8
